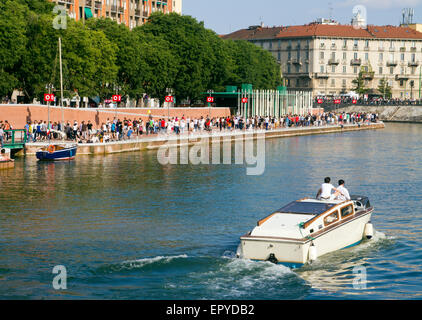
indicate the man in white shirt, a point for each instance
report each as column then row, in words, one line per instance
column 325, row 192
column 342, row 193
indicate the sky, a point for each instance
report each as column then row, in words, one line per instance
column 225, row 16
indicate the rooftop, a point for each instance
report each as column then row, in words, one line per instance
column 324, row 30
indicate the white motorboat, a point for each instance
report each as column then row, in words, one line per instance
column 306, row 229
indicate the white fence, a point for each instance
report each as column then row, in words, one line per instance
column 274, row 103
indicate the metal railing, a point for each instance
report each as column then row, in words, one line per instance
column 14, row 138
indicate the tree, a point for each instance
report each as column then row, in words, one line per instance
column 89, row 61
column 359, row 83
column 384, row 88
column 12, row 43
column 252, row 64
column 199, row 53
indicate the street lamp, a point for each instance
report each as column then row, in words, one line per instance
column 210, row 92
column 49, row 87
column 169, row 92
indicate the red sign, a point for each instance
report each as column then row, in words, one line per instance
column 337, row 101
column 210, row 99
column 244, row 100
column 169, row 99
column 49, row 97
column 117, row 98
column 319, row 101
column 354, row 101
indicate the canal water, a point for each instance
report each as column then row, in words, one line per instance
column 126, row 227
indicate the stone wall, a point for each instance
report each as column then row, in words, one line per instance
column 18, row 115
column 390, row 113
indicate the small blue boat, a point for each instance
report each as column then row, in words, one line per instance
column 56, row 152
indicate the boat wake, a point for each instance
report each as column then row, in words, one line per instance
column 139, row 264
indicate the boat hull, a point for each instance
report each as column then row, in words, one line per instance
column 295, row 252
column 60, row 155
column 7, row 164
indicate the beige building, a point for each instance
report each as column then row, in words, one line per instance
column 132, row 13
column 326, row 57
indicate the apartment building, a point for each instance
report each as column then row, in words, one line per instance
column 326, row 57
column 132, row 13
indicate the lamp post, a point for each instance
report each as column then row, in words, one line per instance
column 210, row 92
column 49, row 87
column 169, row 92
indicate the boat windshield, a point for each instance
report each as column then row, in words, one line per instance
column 306, row 207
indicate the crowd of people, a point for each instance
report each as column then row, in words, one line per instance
column 127, row 129
column 4, row 134
column 372, row 101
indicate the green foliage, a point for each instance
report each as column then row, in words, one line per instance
column 12, row 43
column 384, row 88
column 359, row 83
column 170, row 51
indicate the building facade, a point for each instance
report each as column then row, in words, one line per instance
column 326, row 57
column 132, row 13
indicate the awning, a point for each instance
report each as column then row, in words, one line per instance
column 88, row 13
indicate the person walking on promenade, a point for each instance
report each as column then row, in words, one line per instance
column 1, row 135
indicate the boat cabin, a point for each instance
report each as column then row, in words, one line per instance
column 303, row 218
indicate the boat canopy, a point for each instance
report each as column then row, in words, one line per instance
column 313, row 208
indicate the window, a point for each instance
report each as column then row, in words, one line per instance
column 355, row 55
column 344, row 82
column 321, row 69
column 279, row 56
column 380, row 70
column 402, row 57
column 346, row 211
column 355, row 69
column 344, row 55
column 333, row 55
column 344, row 69
column 289, row 55
column 333, row 82
column 381, row 56
column 366, row 56
column 391, row 70
column 356, row 43
column 413, row 57
column 333, row 69
column 331, row 218
column 288, row 68
column 321, row 55
column 366, row 43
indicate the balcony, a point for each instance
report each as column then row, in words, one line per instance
column 356, row 62
column 137, row 12
column 402, row 49
column 391, row 63
column 355, row 48
column 413, row 63
column 402, row 76
column 121, row 10
column 98, row 5
column 368, row 75
column 113, row 8
column 296, row 61
column 413, row 49
column 391, row 49
column 321, row 75
column 333, row 61
column 380, row 49
column 88, row 3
